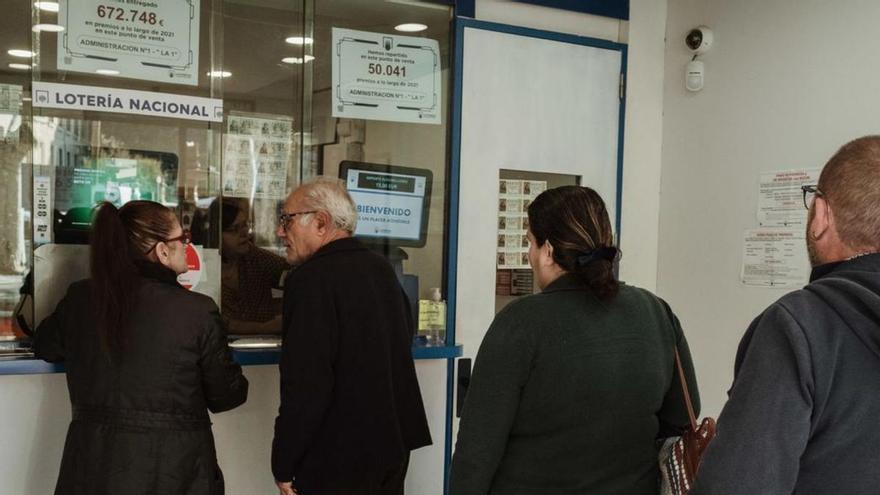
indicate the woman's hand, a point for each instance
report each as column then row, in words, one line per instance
column 285, row 488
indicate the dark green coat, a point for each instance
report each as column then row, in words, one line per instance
column 569, row 395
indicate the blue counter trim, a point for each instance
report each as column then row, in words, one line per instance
column 253, row 357
column 29, row 367
column 256, row 357
column 446, row 352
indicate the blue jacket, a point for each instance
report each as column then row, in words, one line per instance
column 803, row 410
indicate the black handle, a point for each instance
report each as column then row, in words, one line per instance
column 464, row 381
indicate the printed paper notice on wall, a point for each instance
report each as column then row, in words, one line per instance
column 775, row 258
column 381, row 76
column 42, row 209
column 155, row 40
column 780, row 199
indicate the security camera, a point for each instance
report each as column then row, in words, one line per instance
column 699, row 40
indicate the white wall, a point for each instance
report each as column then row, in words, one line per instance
column 787, row 83
column 644, row 35
column 35, row 412
column 642, row 143
column 539, row 120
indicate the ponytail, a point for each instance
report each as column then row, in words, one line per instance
column 596, row 269
column 113, row 274
column 573, row 219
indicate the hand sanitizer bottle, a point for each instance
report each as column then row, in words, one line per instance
column 432, row 319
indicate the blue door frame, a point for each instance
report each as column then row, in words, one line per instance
column 460, row 24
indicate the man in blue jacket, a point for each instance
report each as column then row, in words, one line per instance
column 351, row 410
column 802, row 412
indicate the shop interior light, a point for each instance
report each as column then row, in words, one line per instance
column 410, row 27
column 20, row 66
column 108, row 72
column 297, row 60
column 49, row 28
column 421, row 4
column 219, row 73
column 299, row 40
column 47, row 6
column 21, row 53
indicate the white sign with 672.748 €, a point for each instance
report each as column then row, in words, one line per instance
column 153, row 40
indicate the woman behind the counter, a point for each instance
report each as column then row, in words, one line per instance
column 145, row 359
column 572, row 386
column 249, row 273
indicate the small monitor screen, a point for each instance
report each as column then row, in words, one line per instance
column 117, row 176
column 128, row 176
column 392, row 202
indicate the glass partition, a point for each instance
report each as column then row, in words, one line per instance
column 392, row 139
column 217, row 109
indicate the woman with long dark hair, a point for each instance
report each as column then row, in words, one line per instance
column 249, row 273
column 145, row 360
column 573, row 386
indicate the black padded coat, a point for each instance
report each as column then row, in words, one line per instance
column 351, row 409
column 140, row 421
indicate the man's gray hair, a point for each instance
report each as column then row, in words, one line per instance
column 329, row 194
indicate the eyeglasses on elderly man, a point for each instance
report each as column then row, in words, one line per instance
column 284, row 218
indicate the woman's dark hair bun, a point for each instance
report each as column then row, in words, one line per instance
column 573, row 219
column 603, row 253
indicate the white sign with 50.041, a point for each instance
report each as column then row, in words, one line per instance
column 385, row 77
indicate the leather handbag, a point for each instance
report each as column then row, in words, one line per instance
column 680, row 456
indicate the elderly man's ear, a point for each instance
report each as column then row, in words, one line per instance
column 822, row 219
column 323, row 222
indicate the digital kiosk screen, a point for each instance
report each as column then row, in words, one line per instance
column 392, row 202
column 118, row 179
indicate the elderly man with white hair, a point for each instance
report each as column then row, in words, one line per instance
column 351, row 410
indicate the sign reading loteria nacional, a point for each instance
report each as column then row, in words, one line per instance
column 115, row 100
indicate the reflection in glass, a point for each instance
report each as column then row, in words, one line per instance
column 251, row 276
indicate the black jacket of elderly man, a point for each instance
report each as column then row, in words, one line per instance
column 351, row 410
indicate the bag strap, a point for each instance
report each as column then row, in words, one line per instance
column 684, row 388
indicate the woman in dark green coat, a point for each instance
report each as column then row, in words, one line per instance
column 573, row 386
